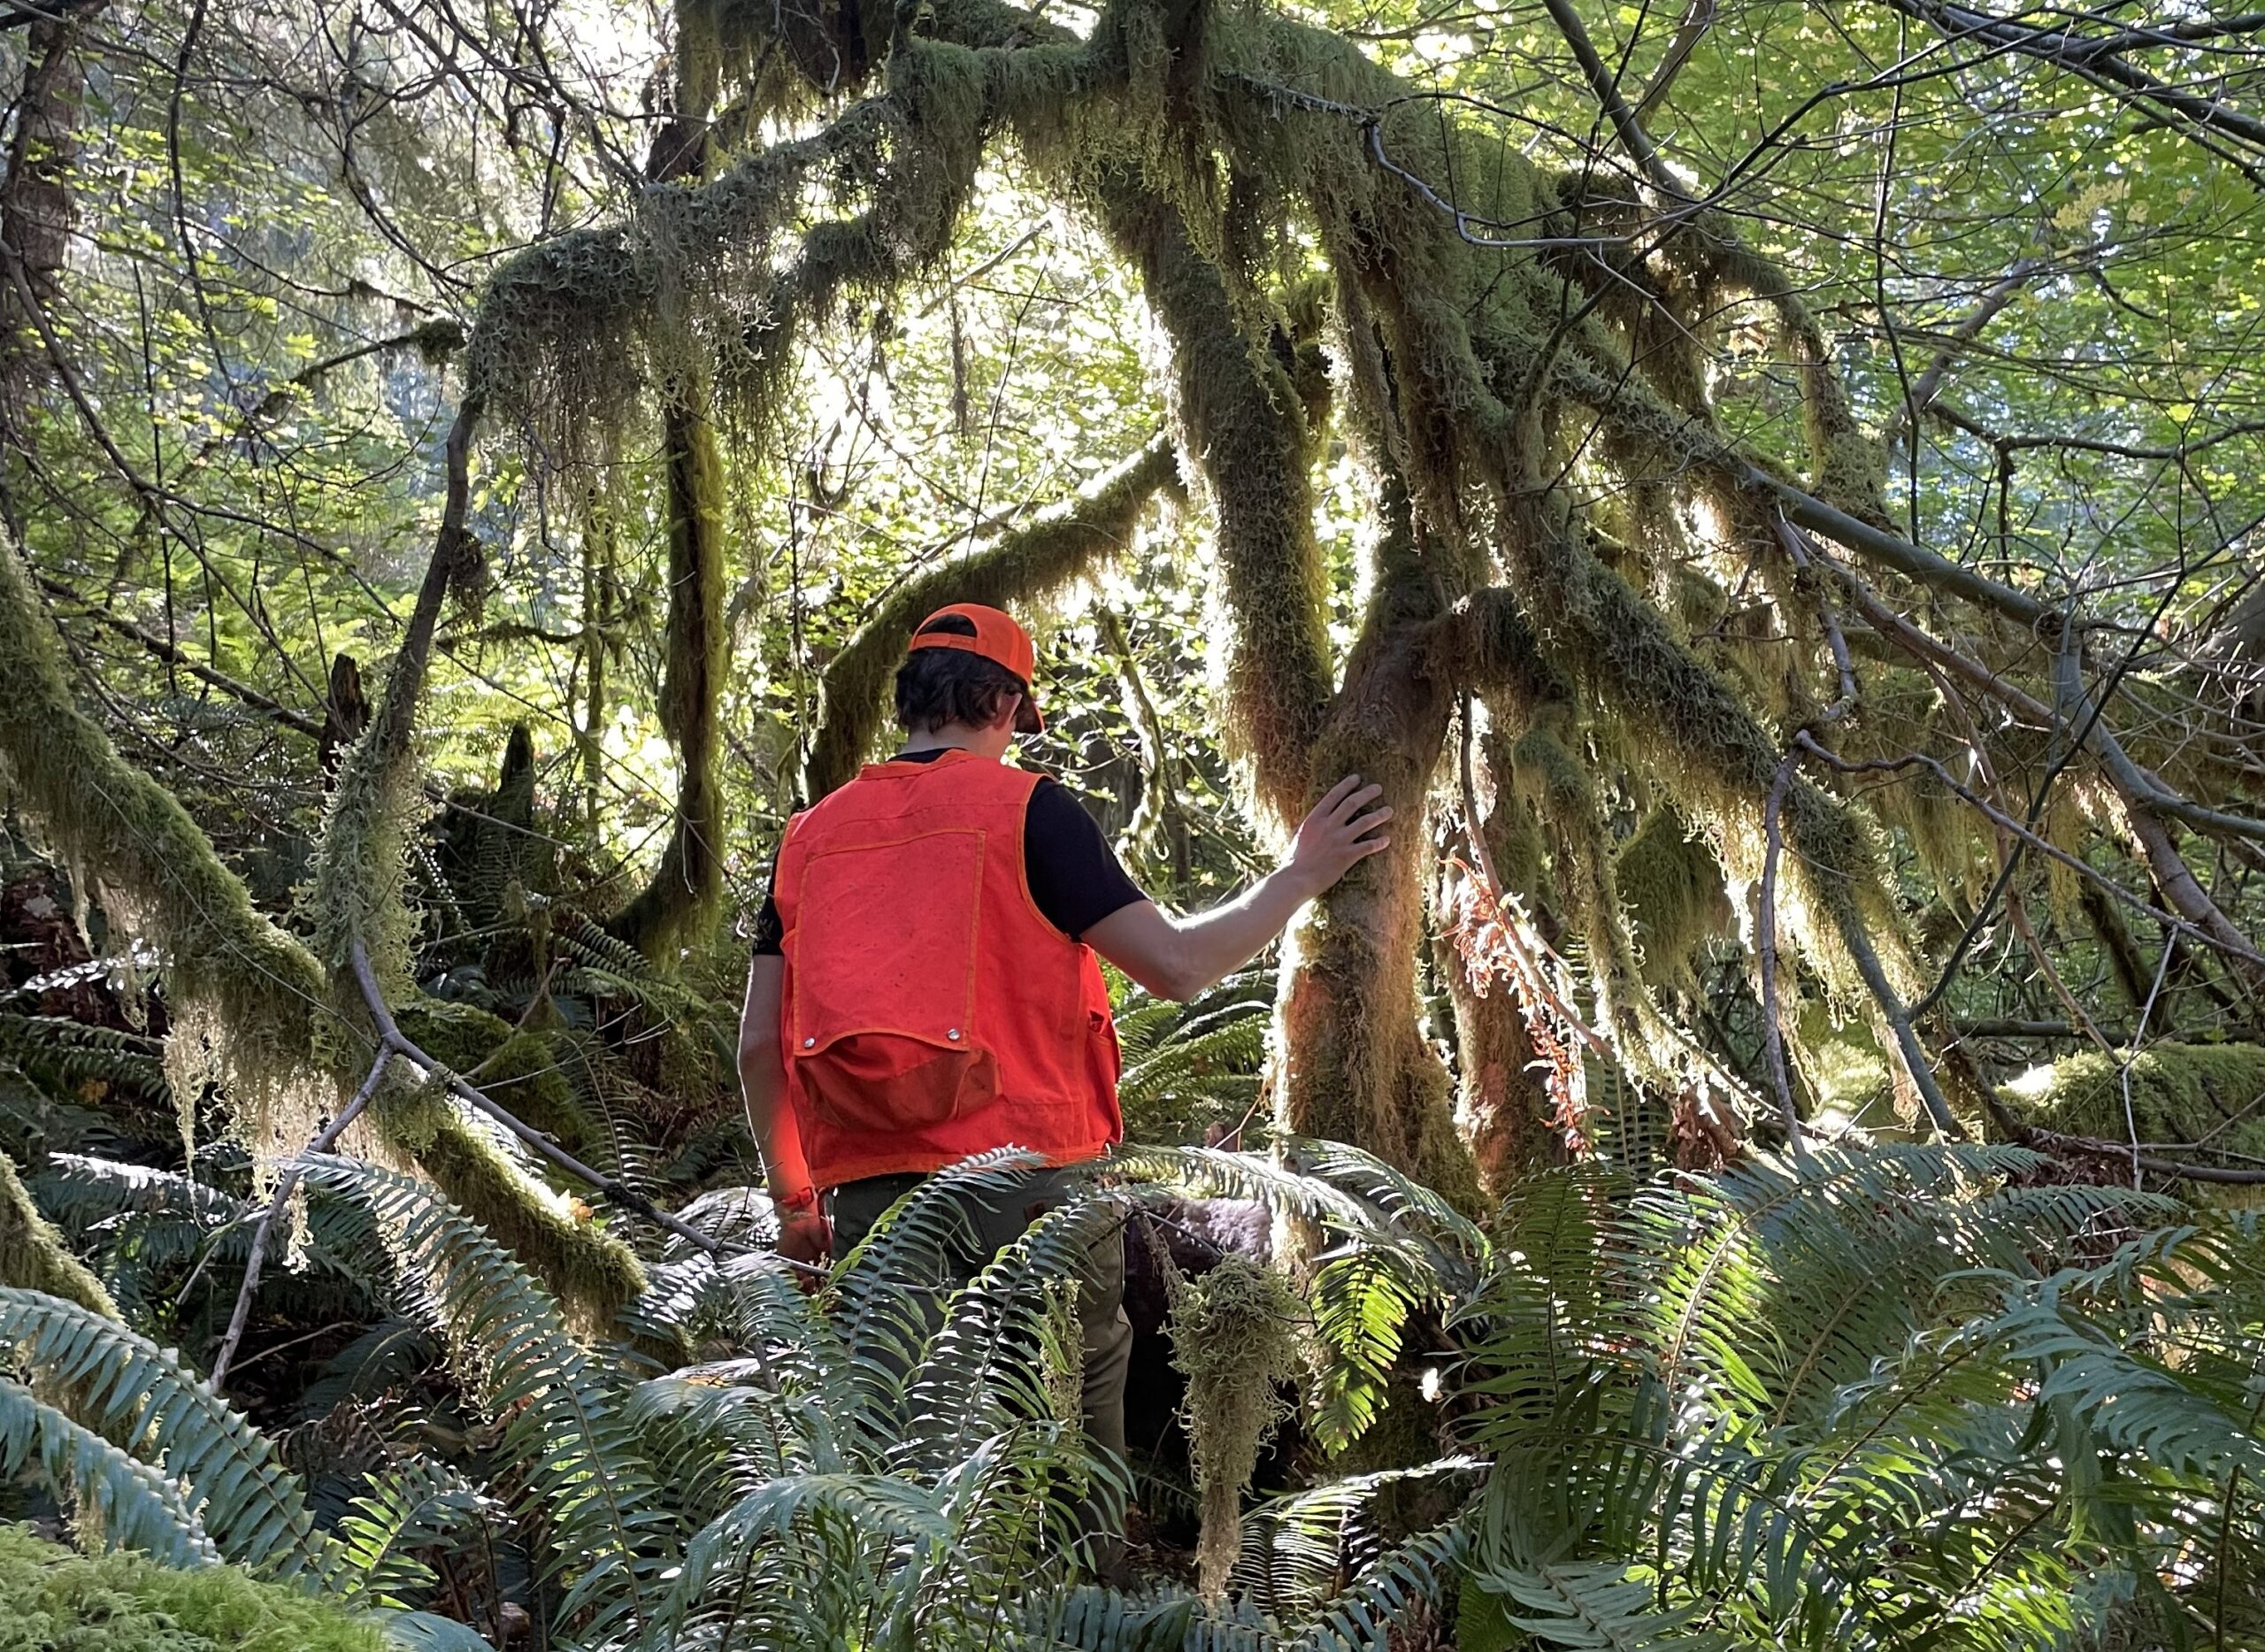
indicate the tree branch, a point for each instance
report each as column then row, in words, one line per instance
column 1029, row 562
column 286, row 1179
column 174, row 655
column 2093, row 59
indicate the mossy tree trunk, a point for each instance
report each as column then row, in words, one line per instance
column 1355, row 1066
column 682, row 892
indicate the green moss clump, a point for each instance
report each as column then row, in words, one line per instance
column 52, row 1600
column 1672, row 889
column 2180, row 1093
column 521, row 1071
column 33, row 1255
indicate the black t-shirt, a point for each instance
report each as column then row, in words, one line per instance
column 1075, row 877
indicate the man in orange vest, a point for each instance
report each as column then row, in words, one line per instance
column 924, row 985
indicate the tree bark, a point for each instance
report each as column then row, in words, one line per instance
column 36, row 212
column 686, row 886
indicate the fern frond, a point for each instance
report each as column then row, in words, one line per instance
column 427, row 1631
column 1594, row 1605
column 886, row 1287
column 1096, row 1619
column 610, row 1529
column 128, row 1503
column 1416, row 1575
column 417, row 1505
column 125, row 1388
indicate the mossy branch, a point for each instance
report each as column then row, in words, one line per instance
column 33, row 1255
column 1245, row 427
column 354, row 885
column 1029, row 562
column 129, row 838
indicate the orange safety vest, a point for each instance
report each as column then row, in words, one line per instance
column 930, row 1011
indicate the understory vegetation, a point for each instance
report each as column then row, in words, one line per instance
column 1771, row 491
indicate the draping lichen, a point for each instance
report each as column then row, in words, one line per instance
column 1237, row 1335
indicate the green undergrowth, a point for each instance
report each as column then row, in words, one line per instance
column 593, row 1274
column 52, row 1600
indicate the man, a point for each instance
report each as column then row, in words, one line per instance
column 924, row 985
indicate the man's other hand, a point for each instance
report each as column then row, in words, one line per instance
column 1341, row 831
column 804, row 1237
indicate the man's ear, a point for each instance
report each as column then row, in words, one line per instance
column 1010, row 706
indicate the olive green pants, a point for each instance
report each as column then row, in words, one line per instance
column 994, row 1222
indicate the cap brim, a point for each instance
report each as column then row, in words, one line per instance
column 1028, row 718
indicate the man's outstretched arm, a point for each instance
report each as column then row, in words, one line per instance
column 1179, row 957
column 802, row 1235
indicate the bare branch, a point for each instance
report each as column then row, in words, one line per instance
column 174, row 655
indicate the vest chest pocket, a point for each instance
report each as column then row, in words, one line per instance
column 882, row 959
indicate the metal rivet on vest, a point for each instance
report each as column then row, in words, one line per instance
column 952, row 1033
column 810, row 1043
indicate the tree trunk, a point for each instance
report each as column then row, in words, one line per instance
column 1353, row 1063
column 35, row 208
column 686, row 884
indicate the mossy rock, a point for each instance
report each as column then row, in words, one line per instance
column 53, row 1599
column 2179, row 1093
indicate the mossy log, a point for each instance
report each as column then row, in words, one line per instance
column 2209, row 1098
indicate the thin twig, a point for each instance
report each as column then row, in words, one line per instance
column 288, row 1178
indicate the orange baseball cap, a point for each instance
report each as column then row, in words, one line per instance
column 998, row 638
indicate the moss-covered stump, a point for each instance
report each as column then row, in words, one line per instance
column 2203, row 1096
column 52, row 1600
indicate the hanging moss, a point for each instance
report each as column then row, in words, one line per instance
column 2178, row 1093
column 1672, row 887
column 33, row 1255
column 52, row 1600
column 1236, row 1336
column 1241, row 421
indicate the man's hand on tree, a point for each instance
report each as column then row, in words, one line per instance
column 1338, row 835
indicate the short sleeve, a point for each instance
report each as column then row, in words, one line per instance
column 1075, row 877
column 770, row 929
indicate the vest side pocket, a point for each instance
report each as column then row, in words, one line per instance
column 882, row 960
